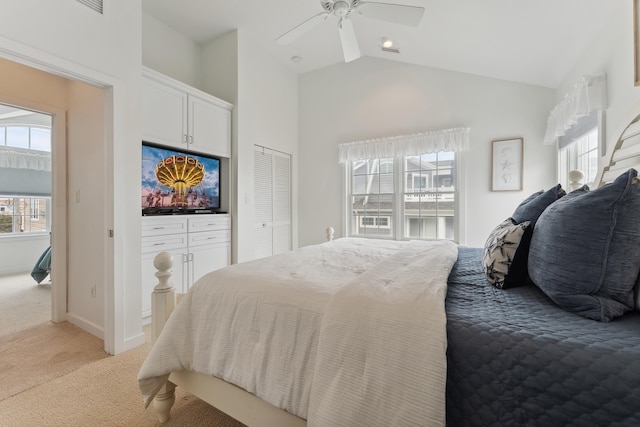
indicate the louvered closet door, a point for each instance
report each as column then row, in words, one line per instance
column 272, row 185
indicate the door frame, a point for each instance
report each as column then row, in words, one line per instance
column 113, row 334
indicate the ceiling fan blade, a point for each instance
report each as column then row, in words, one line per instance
column 348, row 39
column 299, row 30
column 396, row 13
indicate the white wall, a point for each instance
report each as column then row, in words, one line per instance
column 612, row 53
column 86, row 182
column 20, row 253
column 267, row 116
column 67, row 38
column 166, row 50
column 374, row 98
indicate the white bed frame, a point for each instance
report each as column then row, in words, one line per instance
column 246, row 407
column 230, row 399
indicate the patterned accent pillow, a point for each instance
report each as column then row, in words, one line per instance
column 500, row 249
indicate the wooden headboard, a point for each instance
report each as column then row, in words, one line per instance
column 626, row 154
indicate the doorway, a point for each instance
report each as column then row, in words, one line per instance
column 25, row 217
column 81, row 260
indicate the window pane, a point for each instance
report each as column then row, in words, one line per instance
column 372, row 215
column 429, row 198
column 6, row 215
column 41, row 139
column 23, row 215
column 2, row 138
column 18, row 137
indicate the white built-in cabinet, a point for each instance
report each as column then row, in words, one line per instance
column 198, row 243
column 272, row 189
column 179, row 116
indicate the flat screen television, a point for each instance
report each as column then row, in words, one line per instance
column 178, row 182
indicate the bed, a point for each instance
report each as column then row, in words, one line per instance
column 423, row 333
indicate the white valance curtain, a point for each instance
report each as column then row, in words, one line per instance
column 455, row 139
column 16, row 158
column 589, row 95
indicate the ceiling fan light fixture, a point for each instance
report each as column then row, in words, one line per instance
column 345, row 9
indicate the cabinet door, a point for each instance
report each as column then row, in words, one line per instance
column 149, row 280
column 209, row 127
column 164, row 114
column 204, row 259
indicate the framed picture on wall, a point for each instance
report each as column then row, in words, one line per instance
column 636, row 42
column 507, row 156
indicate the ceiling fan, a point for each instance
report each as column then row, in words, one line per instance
column 344, row 10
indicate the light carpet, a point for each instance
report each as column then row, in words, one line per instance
column 102, row 392
column 23, row 303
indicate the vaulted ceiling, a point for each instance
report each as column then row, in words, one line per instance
column 529, row 41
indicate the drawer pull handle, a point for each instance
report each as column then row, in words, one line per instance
column 158, row 228
column 211, row 238
column 158, row 244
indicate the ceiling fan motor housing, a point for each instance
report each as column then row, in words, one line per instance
column 340, row 8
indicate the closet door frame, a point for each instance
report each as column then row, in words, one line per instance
column 269, row 185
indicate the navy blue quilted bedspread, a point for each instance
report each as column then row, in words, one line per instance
column 516, row 359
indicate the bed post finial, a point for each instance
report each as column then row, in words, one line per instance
column 576, row 179
column 163, row 301
column 329, row 232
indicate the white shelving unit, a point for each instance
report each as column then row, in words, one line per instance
column 198, row 243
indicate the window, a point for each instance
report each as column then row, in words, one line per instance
column 23, row 215
column 371, row 197
column 580, row 150
column 25, row 176
column 429, row 208
column 412, row 197
column 27, row 137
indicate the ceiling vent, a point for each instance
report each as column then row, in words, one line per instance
column 93, row 4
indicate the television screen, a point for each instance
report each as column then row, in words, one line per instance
column 178, row 181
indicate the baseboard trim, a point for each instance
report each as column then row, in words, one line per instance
column 90, row 327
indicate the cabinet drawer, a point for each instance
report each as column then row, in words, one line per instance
column 167, row 242
column 156, row 226
column 209, row 237
column 209, row 223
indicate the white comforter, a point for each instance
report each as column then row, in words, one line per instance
column 350, row 332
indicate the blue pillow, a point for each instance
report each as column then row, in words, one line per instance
column 585, row 249
column 528, row 211
column 532, row 207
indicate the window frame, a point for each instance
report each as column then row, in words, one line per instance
column 567, row 153
column 27, row 215
column 459, row 228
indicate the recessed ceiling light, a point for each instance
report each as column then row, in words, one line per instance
column 389, row 46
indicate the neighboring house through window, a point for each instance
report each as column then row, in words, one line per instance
column 411, row 197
